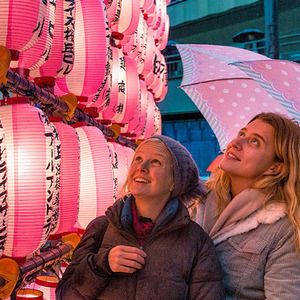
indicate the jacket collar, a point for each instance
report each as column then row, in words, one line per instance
column 121, row 216
column 245, row 212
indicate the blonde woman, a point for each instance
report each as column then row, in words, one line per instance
column 252, row 210
column 146, row 247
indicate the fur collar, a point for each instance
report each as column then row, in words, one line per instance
column 266, row 215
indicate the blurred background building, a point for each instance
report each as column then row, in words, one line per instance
column 269, row 27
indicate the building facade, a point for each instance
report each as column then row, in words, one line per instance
column 239, row 23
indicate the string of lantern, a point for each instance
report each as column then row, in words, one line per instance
column 38, row 95
column 12, row 275
column 55, row 178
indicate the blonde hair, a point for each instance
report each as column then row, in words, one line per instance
column 282, row 187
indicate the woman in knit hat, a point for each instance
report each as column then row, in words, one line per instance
column 252, row 211
column 146, row 246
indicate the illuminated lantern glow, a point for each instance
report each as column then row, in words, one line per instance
column 129, row 153
column 61, row 58
column 3, row 191
column 145, row 4
column 142, row 45
column 158, row 17
column 132, row 90
column 31, row 178
column 164, row 35
column 150, row 13
column 91, row 40
column 55, row 169
column 27, row 293
column 161, row 91
column 123, row 100
column 131, row 48
column 45, row 284
column 21, row 25
column 69, row 177
column 114, row 103
column 138, row 120
column 157, row 121
column 120, row 166
column 102, row 96
column 96, row 175
column 153, row 78
column 123, row 18
column 149, row 128
column 35, row 56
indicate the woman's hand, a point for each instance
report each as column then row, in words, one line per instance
column 126, row 259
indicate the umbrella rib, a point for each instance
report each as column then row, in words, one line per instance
column 212, row 80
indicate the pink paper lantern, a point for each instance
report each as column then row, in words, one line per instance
column 102, row 96
column 149, row 128
column 163, row 34
column 132, row 46
column 145, row 58
column 120, row 166
column 35, row 56
column 96, row 175
column 150, row 14
column 161, row 90
column 123, row 18
column 123, row 97
column 61, row 58
column 157, row 121
column 69, row 178
column 91, row 41
column 145, row 4
column 31, row 178
column 138, row 120
column 3, row 191
column 21, row 25
column 132, row 90
column 158, row 74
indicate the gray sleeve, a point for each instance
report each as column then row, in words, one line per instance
column 282, row 273
column 83, row 279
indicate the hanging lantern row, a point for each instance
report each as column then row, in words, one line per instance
column 56, row 178
column 46, row 47
column 11, row 272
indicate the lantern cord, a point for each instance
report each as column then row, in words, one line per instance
column 9, row 284
column 23, row 86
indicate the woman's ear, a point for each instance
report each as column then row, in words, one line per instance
column 274, row 169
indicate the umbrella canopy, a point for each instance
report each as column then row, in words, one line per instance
column 280, row 78
column 225, row 95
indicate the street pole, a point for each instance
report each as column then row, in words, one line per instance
column 271, row 28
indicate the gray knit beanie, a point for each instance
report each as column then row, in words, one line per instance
column 187, row 184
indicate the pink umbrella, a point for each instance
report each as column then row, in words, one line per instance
column 226, row 96
column 280, row 78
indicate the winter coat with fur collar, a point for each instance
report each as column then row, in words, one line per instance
column 255, row 245
column 180, row 264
